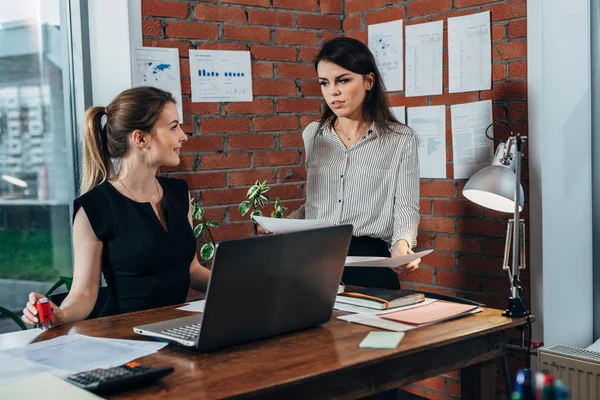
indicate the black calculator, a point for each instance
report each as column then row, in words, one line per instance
column 121, row 377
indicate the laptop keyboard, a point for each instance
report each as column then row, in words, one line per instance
column 186, row 332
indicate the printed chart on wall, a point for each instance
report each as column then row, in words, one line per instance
column 400, row 113
column 385, row 42
column 220, row 75
column 430, row 125
column 158, row 67
column 471, row 149
column 424, row 59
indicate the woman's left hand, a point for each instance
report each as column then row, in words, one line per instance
column 401, row 248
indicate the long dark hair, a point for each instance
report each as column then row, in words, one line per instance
column 138, row 108
column 356, row 57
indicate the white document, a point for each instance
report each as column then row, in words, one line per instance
column 385, row 42
column 158, row 67
column 14, row 369
column 194, row 306
column 400, row 113
column 430, row 125
column 45, row 386
column 287, row 225
column 387, row 262
column 471, row 149
column 364, row 310
column 78, row 353
column 424, row 47
column 469, row 53
column 220, row 75
column 19, row 338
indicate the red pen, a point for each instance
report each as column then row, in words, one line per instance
column 44, row 313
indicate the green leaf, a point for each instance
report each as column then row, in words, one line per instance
column 257, row 213
column 198, row 230
column 277, row 214
column 277, row 202
column 244, row 207
column 207, row 251
column 253, row 192
column 212, row 223
column 14, row 317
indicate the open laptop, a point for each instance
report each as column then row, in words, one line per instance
column 263, row 286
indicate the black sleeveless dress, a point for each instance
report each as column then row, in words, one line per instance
column 144, row 265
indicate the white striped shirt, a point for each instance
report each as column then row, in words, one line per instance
column 373, row 184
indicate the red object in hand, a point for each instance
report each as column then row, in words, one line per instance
column 44, row 312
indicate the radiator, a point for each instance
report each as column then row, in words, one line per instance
column 579, row 369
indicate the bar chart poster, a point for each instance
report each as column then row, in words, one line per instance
column 220, row 75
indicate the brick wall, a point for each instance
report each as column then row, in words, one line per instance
column 234, row 144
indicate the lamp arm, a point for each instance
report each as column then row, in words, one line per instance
column 516, row 242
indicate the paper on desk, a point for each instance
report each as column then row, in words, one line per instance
column 44, row 386
column 287, row 225
column 14, row 369
column 19, row 338
column 364, row 310
column 78, row 353
column 194, row 306
column 389, row 262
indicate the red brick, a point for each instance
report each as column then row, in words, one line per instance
column 507, row 10
column 159, row 8
column 186, row 87
column 296, row 37
column 220, row 13
column 509, row 50
column 247, row 33
column 298, row 105
column 262, row 69
column 435, row 383
column 458, row 280
column 273, row 53
column 356, row 6
column 386, row 15
column 275, row 123
column 291, row 174
column 258, row 3
column 332, row 6
column 186, row 163
column 282, row 157
column 454, row 98
column 214, row 214
column 285, row 191
column 203, row 143
column 481, row 264
column 274, row 87
column 353, row 23
column 440, row 260
column 199, row 108
column 468, row 3
column 413, row 389
column 452, row 374
column 425, row 206
column 421, row 275
column 271, row 18
column 291, row 140
column 246, row 178
column 192, row 30
column 494, row 247
column 222, row 46
column 308, row 54
column 498, row 32
column 361, row 35
column 458, row 244
column 224, row 161
column 517, row 29
column 296, row 71
column 437, row 224
column 257, row 106
column 324, row 22
column 499, row 286
column 151, row 27
column 481, row 227
column 517, row 111
column 513, row 90
column 188, row 125
column 307, row 119
column 436, row 189
column 498, row 72
column 425, row 7
column 456, row 207
column 184, row 66
column 424, row 241
column 203, row 180
column 453, row 389
column 233, row 231
column 433, row 289
column 250, row 141
column 183, row 47
column 443, row 16
column 517, row 69
column 398, row 99
column 310, row 88
column 211, row 125
column 306, row 5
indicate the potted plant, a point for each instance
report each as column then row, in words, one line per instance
column 257, row 198
column 208, row 248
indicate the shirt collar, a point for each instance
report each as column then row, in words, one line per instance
column 328, row 130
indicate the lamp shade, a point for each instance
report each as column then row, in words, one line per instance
column 494, row 187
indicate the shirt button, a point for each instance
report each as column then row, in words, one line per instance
column 341, row 176
column 339, row 201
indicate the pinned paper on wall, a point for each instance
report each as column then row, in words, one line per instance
column 430, row 125
column 469, row 53
column 385, row 42
column 399, row 113
column 424, row 47
column 220, row 75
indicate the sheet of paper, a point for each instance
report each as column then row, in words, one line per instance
column 78, row 353
column 19, row 338
column 400, row 113
column 471, row 149
column 387, row 262
column 469, row 53
column 595, row 347
column 385, row 42
column 424, row 47
column 46, row 387
column 381, row 340
column 220, row 75
column 14, row 369
column 364, row 310
column 286, row 225
column 430, row 125
column 158, row 67
column 194, row 306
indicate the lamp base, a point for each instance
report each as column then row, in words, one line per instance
column 516, row 308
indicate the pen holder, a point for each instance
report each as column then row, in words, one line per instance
column 44, row 313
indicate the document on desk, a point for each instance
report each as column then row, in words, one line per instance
column 14, row 369
column 430, row 125
column 384, row 262
column 19, row 338
column 287, row 225
column 44, row 386
column 78, row 353
column 194, row 306
column 364, row 310
column 424, row 59
column 385, row 42
column 471, row 149
column 469, row 53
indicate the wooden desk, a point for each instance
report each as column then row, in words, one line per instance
column 322, row 362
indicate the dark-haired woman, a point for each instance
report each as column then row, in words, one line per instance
column 130, row 224
column 361, row 162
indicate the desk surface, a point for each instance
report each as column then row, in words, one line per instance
column 284, row 362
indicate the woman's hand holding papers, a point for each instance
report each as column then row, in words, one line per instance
column 401, row 248
column 261, row 231
column 30, row 312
